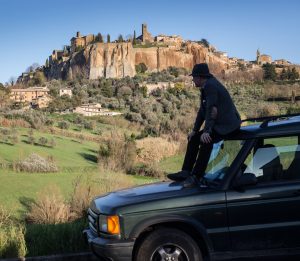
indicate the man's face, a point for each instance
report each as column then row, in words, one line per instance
column 199, row 81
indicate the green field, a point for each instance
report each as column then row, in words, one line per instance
column 73, row 157
column 67, row 153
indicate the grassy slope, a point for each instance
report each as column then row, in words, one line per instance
column 68, row 152
column 73, row 158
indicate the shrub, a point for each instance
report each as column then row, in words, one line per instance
column 43, row 141
column 49, row 122
column 63, row 125
column 31, row 140
column 117, row 153
column 52, row 143
column 5, row 131
column 147, row 170
column 89, row 125
column 14, row 139
column 50, row 207
column 263, row 110
column 155, row 149
column 5, row 216
column 12, row 241
column 141, row 68
column 36, row 163
column 85, row 188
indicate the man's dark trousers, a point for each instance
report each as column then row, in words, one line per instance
column 197, row 165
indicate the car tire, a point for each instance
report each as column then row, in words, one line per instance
column 168, row 244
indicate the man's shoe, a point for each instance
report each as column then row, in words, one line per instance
column 179, row 176
column 191, row 181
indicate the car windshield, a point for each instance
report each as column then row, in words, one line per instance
column 222, row 155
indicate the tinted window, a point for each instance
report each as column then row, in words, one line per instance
column 276, row 159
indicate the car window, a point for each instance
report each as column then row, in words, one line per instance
column 278, row 159
column 222, row 155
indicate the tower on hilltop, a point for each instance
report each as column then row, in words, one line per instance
column 146, row 37
column 257, row 55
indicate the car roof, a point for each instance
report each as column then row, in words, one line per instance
column 279, row 127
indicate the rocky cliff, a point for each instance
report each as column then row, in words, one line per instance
column 115, row 60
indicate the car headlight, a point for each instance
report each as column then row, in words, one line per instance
column 109, row 224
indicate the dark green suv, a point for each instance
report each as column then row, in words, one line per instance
column 248, row 204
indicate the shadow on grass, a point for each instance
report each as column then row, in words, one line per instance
column 6, row 143
column 89, row 157
column 92, row 151
column 77, row 141
column 37, row 144
column 49, row 239
column 26, row 202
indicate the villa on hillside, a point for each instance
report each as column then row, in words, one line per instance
column 158, row 85
column 65, row 91
column 36, row 96
column 94, row 109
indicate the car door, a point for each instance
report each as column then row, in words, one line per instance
column 267, row 215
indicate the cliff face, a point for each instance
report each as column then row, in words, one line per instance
column 97, row 60
column 110, row 60
column 115, row 60
column 159, row 58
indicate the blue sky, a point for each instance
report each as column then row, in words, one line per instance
column 31, row 29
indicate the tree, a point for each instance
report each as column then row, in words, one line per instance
column 204, row 42
column 284, row 74
column 39, row 78
column 100, row 38
column 269, row 71
column 108, row 38
column 134, row 38
column 47, row 63
column 141, row 68
column 32, row 67
column 43, row 141
column 120, row 39
column 12, row 80
column 293, row 74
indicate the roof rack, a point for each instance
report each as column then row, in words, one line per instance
column 267, row 119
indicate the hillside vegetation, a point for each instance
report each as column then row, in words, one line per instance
column 52, row 164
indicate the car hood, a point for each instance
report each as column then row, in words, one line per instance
column 147, row 197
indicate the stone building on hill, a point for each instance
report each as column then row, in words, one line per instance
column 94, row 109
column 146, row 36
column 282, row 62
column 35, row 96
column 65, row 91
column 262, row 58
column 81, row 41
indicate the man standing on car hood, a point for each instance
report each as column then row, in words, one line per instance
column 221, row 120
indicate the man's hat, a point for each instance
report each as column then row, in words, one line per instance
column 201, row 70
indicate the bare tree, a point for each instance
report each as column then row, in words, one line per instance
column 12, row 81
column 32, row 67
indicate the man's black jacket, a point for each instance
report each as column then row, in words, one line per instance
column 214, row 94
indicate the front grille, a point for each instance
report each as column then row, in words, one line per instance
column 93, row 221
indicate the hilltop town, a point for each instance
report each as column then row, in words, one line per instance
column 90, row 56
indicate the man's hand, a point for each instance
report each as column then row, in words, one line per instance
column 190, row 136
column 205, row 137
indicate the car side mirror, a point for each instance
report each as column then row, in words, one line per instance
column 247, row 179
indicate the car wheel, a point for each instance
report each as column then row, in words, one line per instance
column 168, row 244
